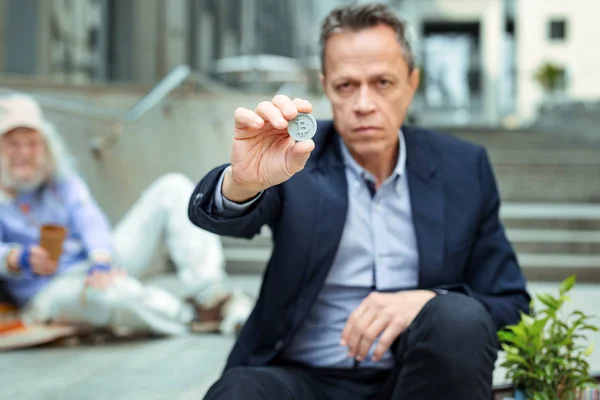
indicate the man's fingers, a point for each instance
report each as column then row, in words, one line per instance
column 350, row 323
column 268, row 112
column 303, row 148
column 360, row 326
column 245, row 118
column 287, row 107
column 299, row 154
column 390, row 334
column 50, row 267
column 371, row 334
column 39, row 252
column 303, row 106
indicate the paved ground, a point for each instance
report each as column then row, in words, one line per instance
column 177, row 368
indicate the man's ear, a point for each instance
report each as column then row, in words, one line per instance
column 414, row 79
column 323, row 83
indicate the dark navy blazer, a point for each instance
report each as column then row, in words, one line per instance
column 455, row 205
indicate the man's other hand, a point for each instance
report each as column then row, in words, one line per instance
column 384, row 316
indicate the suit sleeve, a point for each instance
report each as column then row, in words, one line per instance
column 493, row 275
column 245, row 223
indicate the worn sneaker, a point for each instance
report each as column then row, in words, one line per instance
column 226, row 314
column 235, row 313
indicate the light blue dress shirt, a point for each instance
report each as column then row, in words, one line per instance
column 377, row 252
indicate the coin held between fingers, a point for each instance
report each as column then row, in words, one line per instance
column 303, row 127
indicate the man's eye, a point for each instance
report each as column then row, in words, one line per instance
column 344, row 86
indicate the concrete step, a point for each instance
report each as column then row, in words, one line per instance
column 561, row 216
column 541, row 241
column 539, row 267
column 533, row 167
column 247, row 259
column 558, row 183
column 552, row 241
column 521, row 140
column 556, row 267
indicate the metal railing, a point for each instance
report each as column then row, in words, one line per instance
column 172, row 81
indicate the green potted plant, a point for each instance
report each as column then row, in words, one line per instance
column 550, row 77
column 546, row 353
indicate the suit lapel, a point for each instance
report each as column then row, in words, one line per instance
column 329, row 217
column 427, row 203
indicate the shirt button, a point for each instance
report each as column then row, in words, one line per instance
column 278, row 345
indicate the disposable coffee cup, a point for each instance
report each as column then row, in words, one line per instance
column 52, row 238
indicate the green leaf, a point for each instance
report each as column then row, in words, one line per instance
column 538, row 326
column 527, row 320
column 567, row 284
column 589, row 328
column 549, row 301
column 588, row 352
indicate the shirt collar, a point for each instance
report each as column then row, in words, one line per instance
column 351, row 163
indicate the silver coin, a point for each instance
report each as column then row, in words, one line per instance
column 303, row 127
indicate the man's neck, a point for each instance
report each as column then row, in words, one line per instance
column 381, row 165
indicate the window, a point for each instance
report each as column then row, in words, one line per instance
column 557, row 29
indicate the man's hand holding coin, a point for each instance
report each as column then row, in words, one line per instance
column 270, row 145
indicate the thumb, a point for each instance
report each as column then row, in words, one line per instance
column 299, row 154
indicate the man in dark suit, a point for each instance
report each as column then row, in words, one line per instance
column 391, row 272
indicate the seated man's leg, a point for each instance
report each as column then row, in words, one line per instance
column 161, row 212
column 123, row 304
column 262, row 383
column 448, row 352
column 292, row 383
column 198, row 255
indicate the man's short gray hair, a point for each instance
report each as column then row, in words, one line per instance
column 356, row 17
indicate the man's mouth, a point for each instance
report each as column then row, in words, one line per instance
column 366, row 129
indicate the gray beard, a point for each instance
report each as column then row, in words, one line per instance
column 9, row 182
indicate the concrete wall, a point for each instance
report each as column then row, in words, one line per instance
column 188, row 133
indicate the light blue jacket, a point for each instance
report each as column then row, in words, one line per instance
column 67, row 202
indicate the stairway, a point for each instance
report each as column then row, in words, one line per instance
column 550, row 188
column 537, row 168
column 554, row 241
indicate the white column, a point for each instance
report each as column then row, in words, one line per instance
column 177, row 33
column 492, row 40
column 248, row 37
column 206, row 40
column 145, row 42
column 3, row 36
column 45, row 45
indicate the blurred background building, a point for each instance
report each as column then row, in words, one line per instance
column 484, row 62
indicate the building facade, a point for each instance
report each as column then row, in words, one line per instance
column 478, row 58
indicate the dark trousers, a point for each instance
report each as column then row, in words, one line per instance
column 448, row 352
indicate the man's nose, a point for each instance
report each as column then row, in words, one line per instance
column 24, row 150
column 364, row 101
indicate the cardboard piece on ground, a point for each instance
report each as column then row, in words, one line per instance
column 34, row 335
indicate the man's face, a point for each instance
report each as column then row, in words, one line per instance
column 370, row 88
column 22, row 158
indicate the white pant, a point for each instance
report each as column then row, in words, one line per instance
column 161, row 212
